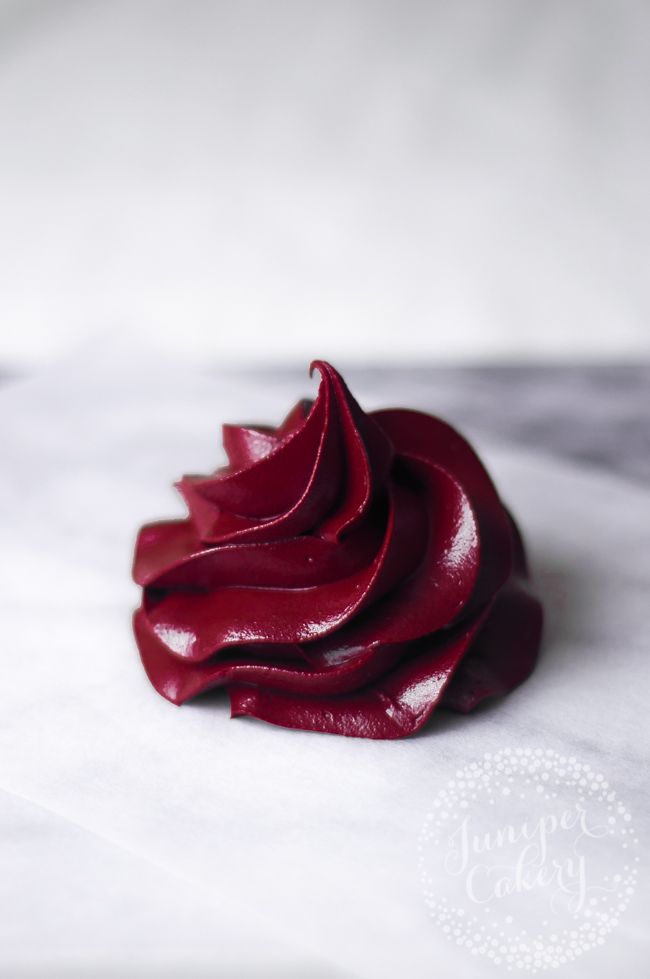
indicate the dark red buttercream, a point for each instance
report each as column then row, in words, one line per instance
column 346, row 572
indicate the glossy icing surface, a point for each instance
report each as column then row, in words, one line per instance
column 346, row 573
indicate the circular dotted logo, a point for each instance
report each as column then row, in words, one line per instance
column 528, row 858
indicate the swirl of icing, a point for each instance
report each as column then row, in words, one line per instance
column 345, row 572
